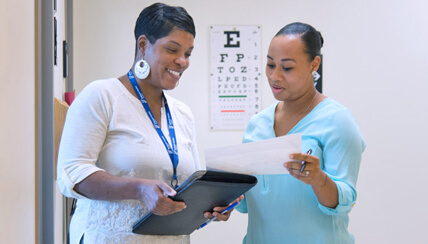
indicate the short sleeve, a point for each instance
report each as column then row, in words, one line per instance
column 83, row 136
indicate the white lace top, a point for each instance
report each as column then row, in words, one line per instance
column 108, row 129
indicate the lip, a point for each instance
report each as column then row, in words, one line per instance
column 174, row 73
column 277, row 89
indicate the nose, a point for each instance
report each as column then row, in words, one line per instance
column 274, row 74
column 182, row 61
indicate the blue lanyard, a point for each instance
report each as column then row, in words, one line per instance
column 173, row 152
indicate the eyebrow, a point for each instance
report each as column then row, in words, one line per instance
column 282, row 60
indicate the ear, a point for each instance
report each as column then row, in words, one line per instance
column 316, row 63
column 142, row 44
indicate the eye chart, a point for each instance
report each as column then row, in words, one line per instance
column 235, row 76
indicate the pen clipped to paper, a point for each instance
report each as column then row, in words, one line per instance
column 222, row 212
column 309, row 152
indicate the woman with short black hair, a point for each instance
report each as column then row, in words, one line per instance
column 126, row 145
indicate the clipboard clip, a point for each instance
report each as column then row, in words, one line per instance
column 174, row 180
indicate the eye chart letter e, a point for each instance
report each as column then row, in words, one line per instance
column 235, row 76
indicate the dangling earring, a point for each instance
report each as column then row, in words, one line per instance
column 316, row 75
column 142, row 69
column 176, row 84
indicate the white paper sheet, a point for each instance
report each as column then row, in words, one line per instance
column 260, row 157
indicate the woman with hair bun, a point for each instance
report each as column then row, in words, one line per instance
column 311, row 204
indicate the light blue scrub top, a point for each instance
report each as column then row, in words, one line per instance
column 282, row 209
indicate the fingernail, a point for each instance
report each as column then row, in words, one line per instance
column 286, row 165
column 291, row 156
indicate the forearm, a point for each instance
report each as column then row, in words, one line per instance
column 104, row 186
column 326, row 191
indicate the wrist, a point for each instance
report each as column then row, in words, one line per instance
column 137, row 187
column 320, row 180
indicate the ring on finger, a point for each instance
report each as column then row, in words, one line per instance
column 306, row 172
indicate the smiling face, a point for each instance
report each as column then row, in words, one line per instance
column 168, row 58
column 288, row 68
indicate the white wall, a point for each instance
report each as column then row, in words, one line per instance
column 17, row 116
column 59, row 81
column 375, row 63
column 59, row 89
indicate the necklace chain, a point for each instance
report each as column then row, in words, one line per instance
column 307, row 109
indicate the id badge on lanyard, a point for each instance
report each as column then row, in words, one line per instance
column 172, row 151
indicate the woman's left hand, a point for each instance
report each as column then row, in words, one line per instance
column 312, row 172
column 217, row 210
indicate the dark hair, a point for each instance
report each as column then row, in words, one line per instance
column 158, row 20
column 311, row 38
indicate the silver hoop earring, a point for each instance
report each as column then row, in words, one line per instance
column 142, row 69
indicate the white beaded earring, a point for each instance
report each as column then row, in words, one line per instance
column 313, row 73
column 142, row 69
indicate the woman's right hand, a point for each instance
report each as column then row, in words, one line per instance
column 155, row 194
column 104, row 186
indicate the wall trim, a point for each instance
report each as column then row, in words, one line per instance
column 44, row 123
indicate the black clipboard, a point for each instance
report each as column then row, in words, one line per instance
column 201, row 192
